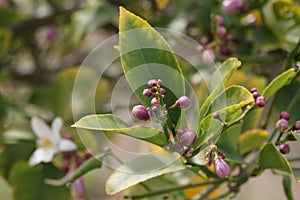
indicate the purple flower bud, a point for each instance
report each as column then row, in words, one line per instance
column 220, row 20
column 230, row 6
column 297, row 125
column 183, row 102
column 179, row 132
column 282, row 125
column 162, row 91
column 224, row 50
column 284, row 148
column 140, row 112
column 260, row 101
column 78, row 189
column 153, row 83
column 221, row 168
column 208, row 56
column 88, row 154
column 285, row 115
column 51, row 33
column 229, row 38
column 222, row 155
column 187, row 138
column 255, row 95
column 147, row 93
column 154, row 102
column 69, row 137
column 221, row 31
column 253, row 90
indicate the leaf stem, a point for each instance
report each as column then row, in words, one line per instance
column 174, row 189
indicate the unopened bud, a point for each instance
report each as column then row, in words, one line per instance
column 221, row 168
column 183, row 102
column 140, row 112
column 284, row 148
column 282, row 125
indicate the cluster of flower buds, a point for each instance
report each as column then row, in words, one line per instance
column 186, row 139
column 220, row 32
column 230, row 6
column 283, row 123
column 214, row 156
column 157, row 109
column 73, row 157
column 260, row 101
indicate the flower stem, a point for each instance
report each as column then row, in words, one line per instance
column 216, row 183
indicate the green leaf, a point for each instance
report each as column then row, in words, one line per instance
column 280, row 81
column 9, row 17
column 5, row 40
column 287, row 186
column 28, row 182
column 252, row 139
column 111, row 123
column 228, row 142
column 13, row 153
column 141, row 169
column 217, row 82
column 233, row 99
column 146, row 55
column 271, row 158
column 296, row 172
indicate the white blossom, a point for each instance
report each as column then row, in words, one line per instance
column 49, row 141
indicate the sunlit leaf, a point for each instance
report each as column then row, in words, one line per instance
column 218, row 81
column 233, row 99
column 146, row 55
column 280, row 81
column 271, row 158
column 141, row 169
column 252, row 139
column 111, row 123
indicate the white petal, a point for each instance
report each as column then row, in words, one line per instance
column 56, row 126
column 40, row 128
column 66, row 145
column 42, row 155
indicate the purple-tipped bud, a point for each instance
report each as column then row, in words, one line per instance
column 78, row 189
column 253, row 90
column 222, row 155
column 221, row 168
column 224, row 50
column 282, row 125
column 51, row 33
column 154, row 102
column 255, row 95
column 69, row 137
column 297, row 125
column 221, row 31
column 88, row 154
column 147, row 93
column 284, row 148
column 285, row 115
column 153, row 83
column 220, row 20
column 229, row 38
column 181, row 131
column 140, row 112
column 187, row 138
column 230, row 6
column 260, row 101
column 208, row 56
column 162, row 91
column 183, row 102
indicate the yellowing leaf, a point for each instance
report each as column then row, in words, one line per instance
column 252, row 139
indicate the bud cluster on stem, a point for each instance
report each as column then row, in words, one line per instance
column 260, row 101
column 214, row 156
